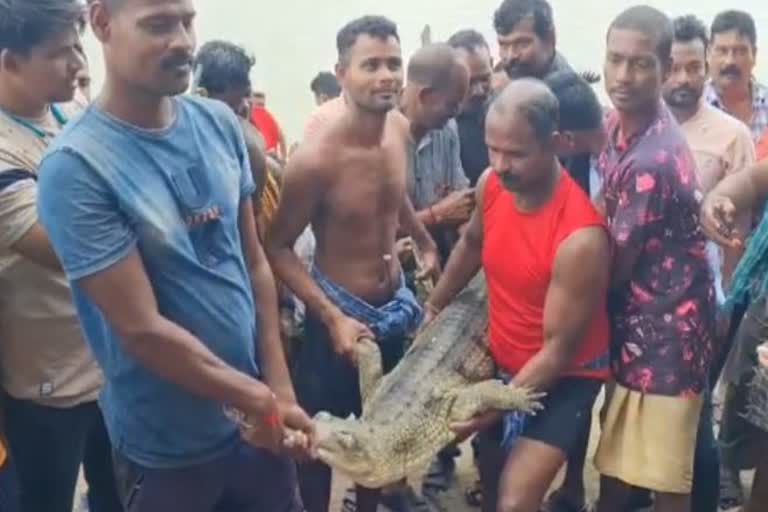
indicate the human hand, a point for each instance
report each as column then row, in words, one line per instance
column 762, row 354
column 456, row 208
column 429, row 265
column 718, row 219
column 260, row 426
column 301, row 437
column 345, row 333
column 430, row 313
column 466, row 429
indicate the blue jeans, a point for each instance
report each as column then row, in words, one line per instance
column 9, row 489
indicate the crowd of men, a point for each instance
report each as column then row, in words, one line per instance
column 180, row 291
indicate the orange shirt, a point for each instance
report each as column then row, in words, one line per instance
column 762, row 147
column 267, row 125
column 519, row 250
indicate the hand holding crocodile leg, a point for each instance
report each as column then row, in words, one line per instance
column 479, row 406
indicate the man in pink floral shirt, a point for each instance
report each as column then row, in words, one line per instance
column 662, row 305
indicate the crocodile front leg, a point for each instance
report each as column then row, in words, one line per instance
column 370, row 367
column 490, row 395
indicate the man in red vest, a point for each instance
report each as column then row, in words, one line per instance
column 545, row 252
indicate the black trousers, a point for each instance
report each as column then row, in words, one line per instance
column 48, row 445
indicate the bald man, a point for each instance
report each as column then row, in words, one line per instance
column 543, row 248
column 437, row 83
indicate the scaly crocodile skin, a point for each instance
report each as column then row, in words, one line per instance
column 446, row 376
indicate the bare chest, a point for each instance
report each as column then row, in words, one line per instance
column 367, row 185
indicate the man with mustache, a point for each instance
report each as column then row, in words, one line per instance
column 527, row 39
column 474, row 52
column 147, row 202
column 721, row 146
column 349, row 183
column 732, row 87
column 528, row 48
column 662, row 305
column 543, row 248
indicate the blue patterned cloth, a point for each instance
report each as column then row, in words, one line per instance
column 750, row 279
column 395, row 319
column 515, row 422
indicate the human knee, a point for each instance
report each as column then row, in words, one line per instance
column 516, row 503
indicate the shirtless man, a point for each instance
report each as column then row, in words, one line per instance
column 349, row 184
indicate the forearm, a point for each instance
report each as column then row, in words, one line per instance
column 418, row 231
column 427, row 217
column 292, row 272
column 175, row 355
column 743, row 189
column 270, row 346
column 464, row 263
column 544, row 369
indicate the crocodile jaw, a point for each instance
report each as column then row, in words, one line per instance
column 346, row 445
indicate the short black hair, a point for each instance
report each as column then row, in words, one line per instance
column 469, row 39
column 220, row 66
column 580, row 109
column 325, row 83
column 512, row 12
column 25, row 24
column 651, row 22
column 689, row 28
column 740, row 21
column 374, row 26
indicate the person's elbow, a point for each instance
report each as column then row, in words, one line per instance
column 139, row 338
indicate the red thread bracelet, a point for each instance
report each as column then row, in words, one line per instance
column 273, row 420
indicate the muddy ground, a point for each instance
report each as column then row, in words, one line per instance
column 453, row 500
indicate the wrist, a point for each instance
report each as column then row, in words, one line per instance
column 259, row 400
column 329, row 314
column 434, row 216
column 432, row 309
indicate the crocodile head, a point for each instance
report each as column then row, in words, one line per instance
column 346, row 445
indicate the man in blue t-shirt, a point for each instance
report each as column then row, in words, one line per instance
column 147, row 201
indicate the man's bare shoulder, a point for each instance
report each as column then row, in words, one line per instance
column 252, row 136
column 587, row 249
column 310, row 161
column 398, row 121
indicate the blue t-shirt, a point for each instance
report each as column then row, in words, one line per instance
column 107, row 188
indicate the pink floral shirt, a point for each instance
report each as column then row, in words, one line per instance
column 663, row 318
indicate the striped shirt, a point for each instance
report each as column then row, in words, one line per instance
column 759, row 122
column 434, row 167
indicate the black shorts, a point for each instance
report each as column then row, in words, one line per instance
column 566, row 417
column 323, row 380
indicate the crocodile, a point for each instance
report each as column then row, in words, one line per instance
column 447, row 376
